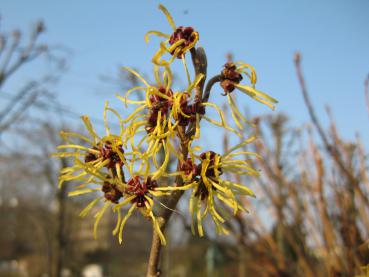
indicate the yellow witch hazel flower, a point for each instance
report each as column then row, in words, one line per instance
column 112, row 189
column 208, row 187
column 141, row 189
column 99, row 153
column 97, row 161
column 99, row 168
column 159, row 114
column 158, row 102
column 180, row 41
column 139, row 193
column 230, row 79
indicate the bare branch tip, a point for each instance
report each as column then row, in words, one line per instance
column 297, row 58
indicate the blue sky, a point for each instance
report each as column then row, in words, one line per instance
column 332, row 36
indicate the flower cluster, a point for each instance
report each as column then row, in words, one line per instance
column 128, row 168
column 176, row 44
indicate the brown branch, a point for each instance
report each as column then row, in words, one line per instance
column 366, row 90
column 9, row 53
column 2, row 44
column 308, row 103
column 20, row 111
column 152, row 269
column 200, row 64
column 209, row 86
column 31, row 52
column 16, row 99
column 331, row 149
column 192, row 128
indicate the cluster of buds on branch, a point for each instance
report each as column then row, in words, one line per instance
column 125, row 168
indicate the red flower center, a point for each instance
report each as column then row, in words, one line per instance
column 161, row 104
column 230, row 77
column 186, row 33
column 210, row 172
column 140, row 189
column 189, row 167
column 111, row 192
column 106, row 152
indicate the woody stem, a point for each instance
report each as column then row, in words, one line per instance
column 200, row 65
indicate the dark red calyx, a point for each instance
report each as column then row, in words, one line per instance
column 186, row 33
column 107, row 152
column 188, row 167
column 160, row 103
column 202, row 191
column 191, row 110
column 230, row 77
column 210, row 172
column 152, row 120
column 90, row 157
column 228, row 86
column 212, row 154
column 140, row 189
column 197, row 107
column 187, row 110
column 111, row 192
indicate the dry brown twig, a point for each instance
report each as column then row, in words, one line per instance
column 330, row 148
